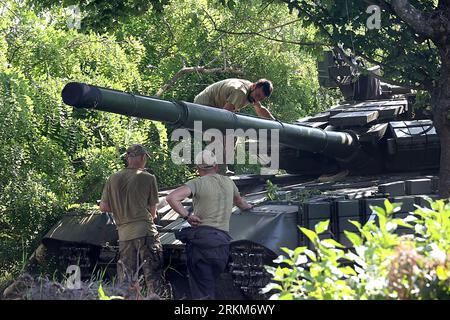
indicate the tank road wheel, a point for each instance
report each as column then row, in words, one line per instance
column 246, row 270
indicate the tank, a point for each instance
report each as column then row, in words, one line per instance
column 338, row 163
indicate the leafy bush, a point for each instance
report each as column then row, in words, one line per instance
column 382, row 264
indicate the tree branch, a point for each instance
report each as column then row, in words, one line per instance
column 280, row 25
column 187, row 70
column 265, row 7
column 257, row 33
column 175, row 42
column 382, row 4
column 427, row 84
column 348, row 59
column 419, row 21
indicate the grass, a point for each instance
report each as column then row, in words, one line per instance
column 25, row 285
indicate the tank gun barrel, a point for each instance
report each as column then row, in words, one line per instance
column 338, row 145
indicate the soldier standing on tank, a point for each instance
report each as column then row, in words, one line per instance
column 234, row 94
column 208, row 240
column 132, row 195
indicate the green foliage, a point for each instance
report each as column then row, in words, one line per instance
column 103, row 15
column 249, row 167
column 33, row 189
column 422, row 105
column 103, row 296
column 381, row 265
column 223, row 38
column 403, row 55
column 272, row 191
column 303, row 194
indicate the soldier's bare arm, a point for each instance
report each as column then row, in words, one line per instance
column 104, row 206
column 174, row 200
column 263, row 111
column 152, row 210
column 230, row 107
column 241, row 203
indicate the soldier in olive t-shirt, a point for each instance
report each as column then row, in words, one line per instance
column 233, row 91
column 131, row 195
column 234, row 94
column 212, row 198
column 207, row 246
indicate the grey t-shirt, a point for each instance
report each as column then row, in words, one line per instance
column 213, row 199
column 234, row 91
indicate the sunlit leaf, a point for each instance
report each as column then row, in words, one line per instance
column 331, row 243
column 101, row 293
column 279, row 259
column 354, row 238
column 442, row 273
column 270, row 287
column 287, row 296
column 355, row 223
column 299, row 250
column 388, row 206
column 310, row 234
column 288, row 251
column 379, row 211
column 321, row 226
column 401, row 222
column 348, row 270
column 311, row 254
column 301, row 259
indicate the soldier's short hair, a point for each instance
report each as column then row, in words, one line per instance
column 266, row 86
column 205, row 160
column 137, row 150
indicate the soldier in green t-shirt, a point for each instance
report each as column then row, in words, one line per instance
column 213, row 197
column 234, row 94
column 132, row 195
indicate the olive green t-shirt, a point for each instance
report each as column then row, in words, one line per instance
column 234, row 91
column 212, row 197
column 129, row 192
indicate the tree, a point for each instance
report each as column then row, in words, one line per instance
column 411, row 43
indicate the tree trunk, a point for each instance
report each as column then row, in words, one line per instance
column 444, row 171
column 441, row 118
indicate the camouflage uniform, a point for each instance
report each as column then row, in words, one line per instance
column 146, row 252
